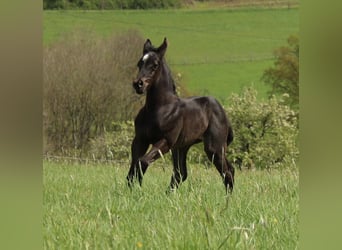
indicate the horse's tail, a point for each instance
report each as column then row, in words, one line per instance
column 230, row 136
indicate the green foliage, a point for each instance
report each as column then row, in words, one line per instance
column 265, row 132
column 91, row 207
column 283, row 77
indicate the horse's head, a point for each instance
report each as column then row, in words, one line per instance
column 149, row 66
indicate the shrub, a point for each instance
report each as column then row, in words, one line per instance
column 114, row 145
column 86, row 87
column 265, row 132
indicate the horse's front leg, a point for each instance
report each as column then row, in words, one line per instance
column 158, row 149
column 138, row 149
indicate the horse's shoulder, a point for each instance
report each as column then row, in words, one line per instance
column 172, row 108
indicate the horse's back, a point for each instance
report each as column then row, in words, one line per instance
column 210, row 106
column 218, row 124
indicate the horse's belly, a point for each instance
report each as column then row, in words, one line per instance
column 191, row 134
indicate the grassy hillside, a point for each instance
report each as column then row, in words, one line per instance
column 90, row 207
column 218, row 50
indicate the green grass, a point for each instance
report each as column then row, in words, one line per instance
column 90, row 207
column 218, row 50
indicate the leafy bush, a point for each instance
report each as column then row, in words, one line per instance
column 265, row 132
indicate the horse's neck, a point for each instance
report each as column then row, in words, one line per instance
column 162, row 90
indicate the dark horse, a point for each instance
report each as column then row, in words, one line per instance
column 168, row 122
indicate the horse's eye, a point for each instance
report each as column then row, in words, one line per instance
column 155, row 66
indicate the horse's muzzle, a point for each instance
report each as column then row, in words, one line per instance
column 140, row 86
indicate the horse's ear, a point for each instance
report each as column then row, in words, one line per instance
column 162, row 48
column 147, row 46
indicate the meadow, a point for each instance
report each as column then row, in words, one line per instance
column 89, row 206
column 216, row 51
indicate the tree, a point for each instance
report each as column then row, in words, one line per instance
column 284, row 75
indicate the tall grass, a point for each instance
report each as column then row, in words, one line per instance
column 90, row 207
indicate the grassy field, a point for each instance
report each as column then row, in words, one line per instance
column 90, row 207
column 216, row 51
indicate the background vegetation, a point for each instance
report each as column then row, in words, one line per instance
column 110, row 4
column 88, row 101
column 159, row 4
column 85, row 51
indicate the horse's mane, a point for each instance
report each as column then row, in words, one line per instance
column 166, row 66
column 169, row 74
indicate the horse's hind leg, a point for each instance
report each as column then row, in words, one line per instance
column 231, row 172
column 216, row 154
column 179, row 167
